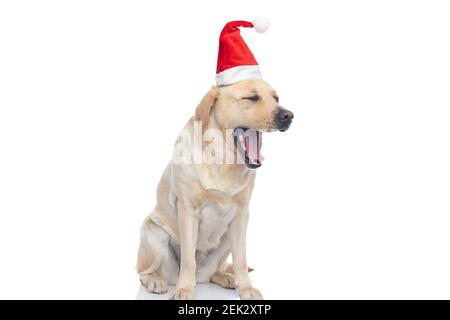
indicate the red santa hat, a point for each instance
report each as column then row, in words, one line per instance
column 235, row 61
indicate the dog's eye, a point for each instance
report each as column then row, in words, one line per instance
column 252, row 98
column 277, row 99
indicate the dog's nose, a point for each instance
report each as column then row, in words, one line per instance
column 283, row 119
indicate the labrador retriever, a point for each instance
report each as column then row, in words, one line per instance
column 202, row 208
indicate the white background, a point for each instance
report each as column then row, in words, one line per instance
column 351, row 202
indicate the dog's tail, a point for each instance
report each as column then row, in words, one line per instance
column 229, row 269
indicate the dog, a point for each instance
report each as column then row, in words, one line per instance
column 202, row 209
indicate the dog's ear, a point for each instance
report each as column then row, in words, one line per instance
column 204, row 107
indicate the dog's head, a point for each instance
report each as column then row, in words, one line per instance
column 248, row 107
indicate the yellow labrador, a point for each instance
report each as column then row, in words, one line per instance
column 202, row 212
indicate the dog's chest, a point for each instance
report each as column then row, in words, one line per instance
column 225, row 180
column 214, row 220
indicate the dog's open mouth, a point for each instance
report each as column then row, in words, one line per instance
column 249, row 142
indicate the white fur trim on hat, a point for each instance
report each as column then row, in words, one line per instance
column 236, row 74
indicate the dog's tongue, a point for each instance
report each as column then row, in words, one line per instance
column 253, row 145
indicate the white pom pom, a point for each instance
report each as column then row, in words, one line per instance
column 261, row 24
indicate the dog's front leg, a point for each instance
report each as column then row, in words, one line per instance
column 237, row 235
column 188, row 230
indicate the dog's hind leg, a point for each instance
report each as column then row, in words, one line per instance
column 153, row 282
column 223, row 279
column 149, row 277
column 154, row 258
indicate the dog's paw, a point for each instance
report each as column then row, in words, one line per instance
column 182, row 294
column 157, row 286
column 154, row 283
column 250, row 294
column 225, row 280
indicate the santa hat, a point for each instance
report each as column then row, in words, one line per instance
column 235, row 61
